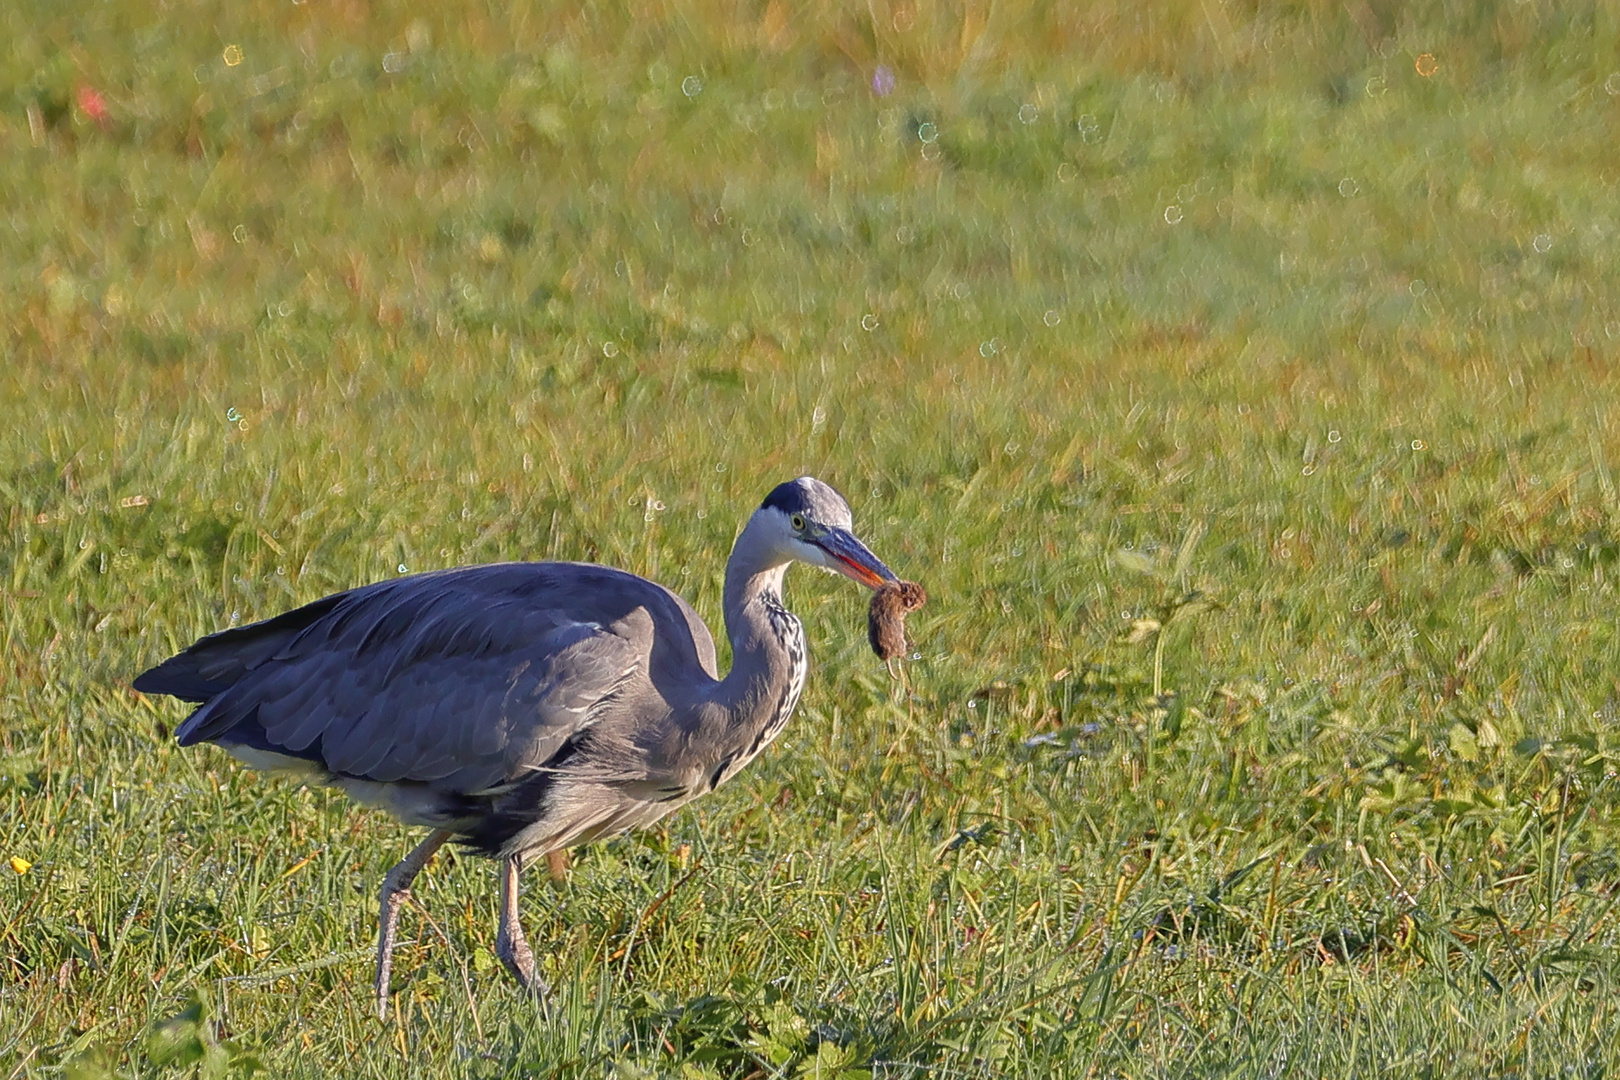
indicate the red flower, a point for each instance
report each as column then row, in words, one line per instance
column 93, row 105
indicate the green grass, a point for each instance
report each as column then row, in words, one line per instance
column 1243, row 396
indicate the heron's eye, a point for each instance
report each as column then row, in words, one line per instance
column 797, row 521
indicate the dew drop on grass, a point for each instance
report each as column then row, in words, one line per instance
column 869, row 322
column 1028, row 113
column 1417, row 287
column 232, row 416
column 1172, row 214
column 1052, row 318
column 691, row 86
column 403, row 568
column 1542, row 243
column 1334, row 436
column 1348, row 187
column 1419, row 444
column 928, row 131
column 610, row 349
column 988, row 349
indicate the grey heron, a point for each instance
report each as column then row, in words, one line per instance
column 520, row 708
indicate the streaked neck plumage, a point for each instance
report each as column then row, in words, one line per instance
column 768, row 656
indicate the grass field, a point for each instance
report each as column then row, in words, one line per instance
column 1238, row 379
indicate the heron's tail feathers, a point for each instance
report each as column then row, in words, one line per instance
column 213, row 664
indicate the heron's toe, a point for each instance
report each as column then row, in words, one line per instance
column 519, row 961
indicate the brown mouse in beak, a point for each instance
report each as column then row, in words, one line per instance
column 886, row 618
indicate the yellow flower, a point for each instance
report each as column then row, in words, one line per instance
column 20, row 864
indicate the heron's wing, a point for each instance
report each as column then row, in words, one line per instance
column 433, row 680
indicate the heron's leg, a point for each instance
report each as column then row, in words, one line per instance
column 396, row 888
column 510, row 944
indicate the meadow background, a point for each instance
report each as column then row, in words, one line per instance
column 1237, row 377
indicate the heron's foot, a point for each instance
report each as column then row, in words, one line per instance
column 518, row 958
column 392, row 900
column 396, row 889
column 510, row 943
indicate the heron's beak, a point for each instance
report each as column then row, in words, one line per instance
column 851, row 558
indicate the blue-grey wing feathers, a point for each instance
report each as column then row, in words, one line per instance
column 461, row 681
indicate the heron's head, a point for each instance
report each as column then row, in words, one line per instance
column 810, row 522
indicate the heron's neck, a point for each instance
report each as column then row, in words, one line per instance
column 768, row 661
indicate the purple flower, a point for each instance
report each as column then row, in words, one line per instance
column 883, row 81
